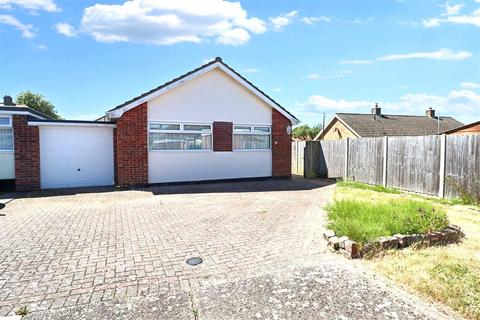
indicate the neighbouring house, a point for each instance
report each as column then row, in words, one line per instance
column 208, row 124
column 471, row 128
column 376, row 124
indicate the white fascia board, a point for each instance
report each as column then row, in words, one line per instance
column 22, row 113
column 258, row 94
column 70, row 124
column 118, row 112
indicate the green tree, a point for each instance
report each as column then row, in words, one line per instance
column 305, row 132
column 38, row 102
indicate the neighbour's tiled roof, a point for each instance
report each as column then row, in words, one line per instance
column 23, row 108
column 368, row 125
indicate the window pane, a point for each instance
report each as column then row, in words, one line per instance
column 242, row 129
column 251, row 141
column 179, row 141
column 262, row 129
column 164, row 126
column 196, row 127
column 6, row 139
column 4, row 121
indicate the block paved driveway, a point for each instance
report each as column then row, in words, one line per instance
column 60, row 249
column 121, row 255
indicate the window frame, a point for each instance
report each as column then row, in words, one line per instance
column 8, row 126
column 252, row 132
column 181, row 130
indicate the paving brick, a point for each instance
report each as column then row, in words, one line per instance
column 64, row 250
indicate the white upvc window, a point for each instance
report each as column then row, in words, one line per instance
column 179, row 136
column 251, row 137
column 6, row 134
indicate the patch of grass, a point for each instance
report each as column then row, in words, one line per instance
column 364, row 186
column 447, row 274
column 363, row 221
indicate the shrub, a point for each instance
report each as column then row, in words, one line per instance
column 468, row 196
column 364, row 221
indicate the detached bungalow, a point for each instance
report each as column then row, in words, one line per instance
column 208, row 124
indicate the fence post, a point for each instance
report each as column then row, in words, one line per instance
column 345, row 171
column 385, row 159
column 443, row 149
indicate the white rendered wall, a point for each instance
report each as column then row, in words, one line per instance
column 214, row 96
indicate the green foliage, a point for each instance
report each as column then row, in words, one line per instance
column 359, row 185
column 37, row 102
column 468, row 195
column 364, row 221
column 305, row 132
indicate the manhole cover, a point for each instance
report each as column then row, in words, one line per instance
column 194, row 261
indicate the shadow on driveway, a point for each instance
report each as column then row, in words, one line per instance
column 297, row 183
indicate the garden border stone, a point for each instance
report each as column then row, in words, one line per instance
column 353, row 250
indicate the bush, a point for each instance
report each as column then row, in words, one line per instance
column 363, row 221
column 468, row 196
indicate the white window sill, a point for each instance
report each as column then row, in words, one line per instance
column 7, row 151
column 252, row 150
column 182, row 151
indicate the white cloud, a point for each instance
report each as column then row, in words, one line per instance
column 171, row 21
column 441, row 54
column 66, row 29
column 355, row 61
column 451, row 16
column 250, row 70
column 26, row 29
column 277, row 89
column 46, row 5
column 283, row 20
column 470, row 85
column 336, row 75
column 463, row 104
column 41, row 47
column 314, row 20
column 451, row 10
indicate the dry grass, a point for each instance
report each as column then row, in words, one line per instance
column 450, row 275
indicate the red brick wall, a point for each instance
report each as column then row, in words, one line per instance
column 222, row 136
column 131, row 147
column 27, row 155
column 281, row 146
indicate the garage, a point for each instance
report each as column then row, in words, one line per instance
column 76, row 155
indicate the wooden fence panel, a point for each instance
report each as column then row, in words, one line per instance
column 298, row 148
column 462, row 163
column 365, row 160
column 413, row 163
column 332, row 159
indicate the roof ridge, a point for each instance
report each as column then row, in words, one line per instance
column 216, row 60
column 394, row 115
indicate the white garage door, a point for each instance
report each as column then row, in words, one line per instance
column 76, row 157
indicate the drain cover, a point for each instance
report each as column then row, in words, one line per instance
column 194, row 261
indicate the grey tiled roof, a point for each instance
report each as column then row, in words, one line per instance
column 366, row 125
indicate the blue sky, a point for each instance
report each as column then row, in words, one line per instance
column 311, row 56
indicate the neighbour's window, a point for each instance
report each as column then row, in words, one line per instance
column 6, row 134
column 251, row 137
column 178, row 136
